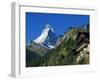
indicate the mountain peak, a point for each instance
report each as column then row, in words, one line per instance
column 49, row 27
column 47, row 37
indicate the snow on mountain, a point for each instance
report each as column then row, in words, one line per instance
column 47, row 37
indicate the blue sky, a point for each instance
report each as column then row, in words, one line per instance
column 35, row 23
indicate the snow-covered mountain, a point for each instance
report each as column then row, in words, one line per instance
column 47, row 38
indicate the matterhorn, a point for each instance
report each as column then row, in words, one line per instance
column 47, row 38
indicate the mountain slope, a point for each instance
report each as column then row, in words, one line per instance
column 70, row 50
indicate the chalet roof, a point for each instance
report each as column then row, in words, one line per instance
column 83, row 35
column 82, row 41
